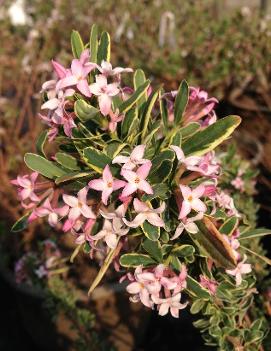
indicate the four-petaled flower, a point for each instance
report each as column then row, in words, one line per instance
column 106, row 184
column 47, row 210
column 171, row 304
column 105, row 93
column 239, row 270
column 77, row 75
column 110, row 233
column 146, row 213
column 26, row 186
column 135, row 159
column 189, row 161
column 136, row 180
column 188, row 224
column 78, row 206
column 191, row 200
column 107, row 70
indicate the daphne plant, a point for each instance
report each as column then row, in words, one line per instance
column 134, row 177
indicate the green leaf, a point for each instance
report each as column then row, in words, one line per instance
column 41, row 142
column 130, row 123
column 151, row 232
column 96, row 159
column 139, row 79
column 85, row 112
column 162, row 166
column 72, row 176
column 195, row 290
column 104, row 48
column 93, row 43
column 114, row 148
column 183, row 250
column 160, row 191
column 146, row 115
column 129, row 103
column 181, row 102
column 189, row 129
column 108, row 260
column 254, row 233
column 135, row 260
column 21, row 224
column 253, row 253
column 77, row 44
column 209, row 138
column 197, row 306
column 40, row 164
column 154, row 249
column 163, row 110
column 67, row 161
column 229, row 226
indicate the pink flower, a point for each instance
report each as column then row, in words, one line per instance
column 116, row 216
column 239, row 270
column 27, row 186
column 146, row 213
column 105, row 92
column 187, row 161
column 226, row 201
column 238, row 183
column 110, row 234
column 77, row 75
column 191, row 200
column 234, row 244
column 199, row 106
column 60, row 71
column 106, row 69
column 135, row 159
column 208, row 284
column 136, row 180
column 188, row 225
column 139, row 287
column 207, row 166
column 52, row 213
column 106, row 184
column 115, row 117
column 78, row 206
column 170, row 304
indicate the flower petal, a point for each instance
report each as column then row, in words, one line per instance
column 72, row 201
column 144, row 170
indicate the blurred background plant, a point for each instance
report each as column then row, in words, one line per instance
column 226, row 52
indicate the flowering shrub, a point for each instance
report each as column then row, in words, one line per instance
column 135, row 179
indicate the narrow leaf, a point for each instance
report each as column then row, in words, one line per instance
column 129, row 103
column 21, row 224
column 209, row 138
column 194, row 289
column 254, row 233
column 93, row 43
column 139, row 79
column 77, row 44
column 109, row 258
column 181, row 102
column 146, row 116
column 104, row 48
column 43, row 166
column 263, row 258
column 135, row 260
column 154, row 249
column 96, row 159
column 41, row 142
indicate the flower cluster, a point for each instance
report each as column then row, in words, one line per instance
column 135, row 178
